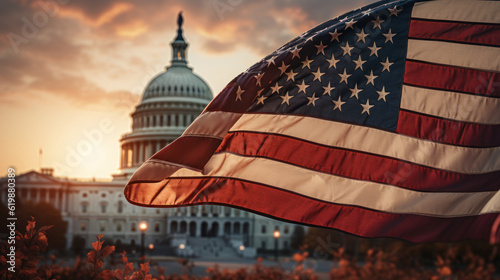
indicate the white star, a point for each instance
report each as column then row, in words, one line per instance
column 371, row 78
column 361, row 36
column 276, row 88
column 310, row 38
column 388, row 36
column 286, row 98
column 335, row 35
column 355, row 91
column 283, row 67
column 367, row 12
column 343, row 19
column 317, row 75
column 374, row 50
column 347, row 49
column 259, row 92
column 295, row 52
column 367, row 107
column 260, row 100
column 320, row 48
column 302, row 87
column 239, row 92
column 332, row 61
column 343, row 77
column 291, row 75
column 386, row 65
column 338, row 104
column 359, row 63
column 328, row 89
column 312, row 99
column 377, row 23
column 271, row 61
column 349, row 24
column 306, row 63
column 258, row 77
column 394, row 11
column 382, row 94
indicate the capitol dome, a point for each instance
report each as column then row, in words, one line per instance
column 170, row 103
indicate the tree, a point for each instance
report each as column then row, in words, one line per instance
column 45, row 214
column 297, row 239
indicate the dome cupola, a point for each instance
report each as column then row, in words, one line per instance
column 170, row 102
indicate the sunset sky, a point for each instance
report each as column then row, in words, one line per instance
column 72, row 68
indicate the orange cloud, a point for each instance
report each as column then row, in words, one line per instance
column 107, row 16
column 131, row 29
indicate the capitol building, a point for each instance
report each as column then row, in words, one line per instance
column 170, row 103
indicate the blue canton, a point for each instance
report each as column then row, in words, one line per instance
column 348, row 69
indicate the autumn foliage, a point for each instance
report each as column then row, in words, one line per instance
column 33, row 265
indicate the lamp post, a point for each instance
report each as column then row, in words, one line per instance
column 143, row 226
column 276, row 235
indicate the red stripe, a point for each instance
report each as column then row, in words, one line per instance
column 451, row 78
column 447, row 131
column 283, row 205
column 191, row 151
column 356, row 165
column 484, row 34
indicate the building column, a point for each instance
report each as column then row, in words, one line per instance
column 141, row 152
column 64, row 194
column 126, row 149
column 158, row 145
column 56, row 199
column 150, row 149
column 165, row 120
column 135, row 153
column 198, row 229
column 38, row 195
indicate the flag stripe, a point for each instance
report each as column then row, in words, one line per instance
column 262, row 199
column 375, row 141
column 464, row 11
column 482, row 58
column 482, row 34
column 451, row 105
column 340, row 190
column 451, row 78
column 180, row 151
column 447, row 131
column 351, row 164
column 212, row 124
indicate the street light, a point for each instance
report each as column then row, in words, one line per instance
column 276, row 235
column 143, row 226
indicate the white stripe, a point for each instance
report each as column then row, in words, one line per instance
column 451, row 105
column 212, row 124
column 463, row 55
column 461, row 10
column 375, row 141
column 335, row 189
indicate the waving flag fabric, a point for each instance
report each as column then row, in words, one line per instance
column 384, row 122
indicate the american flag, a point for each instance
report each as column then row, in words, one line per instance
column 383, row 122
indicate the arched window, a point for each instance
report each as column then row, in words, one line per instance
column 263, row 229
column 104, row 207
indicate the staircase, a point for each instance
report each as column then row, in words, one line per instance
column 212, row 247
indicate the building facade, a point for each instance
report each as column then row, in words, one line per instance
column 170, row 103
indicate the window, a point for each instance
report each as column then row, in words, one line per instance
column 157, row 227
column 103, row 195
column 132, row 227
column 103, row 207
column 83, row 226
column 263, row 229
column 84, row 207
column 84, row 194
column 102, row 226
column 286, row 230
column 119, row 227
column 120, row 206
